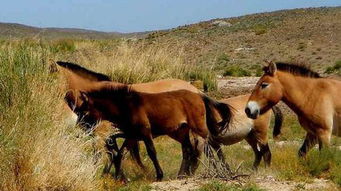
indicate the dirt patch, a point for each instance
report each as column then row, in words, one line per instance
column 180, row 185
column 263, row 182
column 234, row 86
column 270, row 183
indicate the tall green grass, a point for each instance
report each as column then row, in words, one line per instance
column 36, row 150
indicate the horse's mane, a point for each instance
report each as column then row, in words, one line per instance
column 106, row 90
column 297, row 69
column 77, row 69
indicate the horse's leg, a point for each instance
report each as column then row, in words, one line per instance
column 135, row 153
column 109, row 150
column 118, row 162
column 194, row 157
column 266, row 153
column 109, row 163
column 324, row 135
column 184, row 168
column 148, row 141
column 260, row 135
column 309, row 142
column 116, row 159
column 253, row 143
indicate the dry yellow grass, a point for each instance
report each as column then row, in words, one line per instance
column 39, row 150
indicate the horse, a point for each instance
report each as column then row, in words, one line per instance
column 80, row 78
column 144, row 116
column 315, row 100
column 254, row 131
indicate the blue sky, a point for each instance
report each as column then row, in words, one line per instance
column 137, row 15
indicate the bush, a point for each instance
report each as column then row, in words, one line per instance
column 318, row 162
column 236, row 71
column 327, row 161
column 64, row 45
column 258, row 70
column 334, row 69
column 259, row 29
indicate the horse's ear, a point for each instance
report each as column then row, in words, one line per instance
column 70, row 99
column 270, row 69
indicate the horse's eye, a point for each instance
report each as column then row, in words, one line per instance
column 264, row 85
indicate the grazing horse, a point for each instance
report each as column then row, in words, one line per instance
column 143, row 116
column 80, row 78
column 255, row 132
column 315, row 100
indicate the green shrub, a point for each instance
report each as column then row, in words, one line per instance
column 258, row 70
column 208, row 78
column 222, row 59
column 64, row 45
column 259, row 29
column 318, row 162
column 336, row 68
column 236, row 71
column 336, row 167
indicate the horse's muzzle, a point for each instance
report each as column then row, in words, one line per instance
column 250, row 114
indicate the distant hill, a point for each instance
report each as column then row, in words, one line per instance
column 311, row 35
column 13, row 30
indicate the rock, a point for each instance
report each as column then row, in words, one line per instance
column 221, row 23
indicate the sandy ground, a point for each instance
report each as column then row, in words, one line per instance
column 264, row 182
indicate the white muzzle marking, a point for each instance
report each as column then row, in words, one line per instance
column 71, row 120
column 253, row 107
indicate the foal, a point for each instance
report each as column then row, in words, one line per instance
column 315, row 100
column 143, row 116
column 254, row 131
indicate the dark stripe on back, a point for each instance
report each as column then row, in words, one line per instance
column 83, row 71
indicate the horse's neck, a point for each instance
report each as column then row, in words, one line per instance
column 296, row 91
column 115, row 109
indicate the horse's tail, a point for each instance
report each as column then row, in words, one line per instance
column 213, row 107
column 278, row 121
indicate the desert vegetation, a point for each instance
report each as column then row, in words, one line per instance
column 39, row 150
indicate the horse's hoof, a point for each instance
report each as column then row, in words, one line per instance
column 159, row 178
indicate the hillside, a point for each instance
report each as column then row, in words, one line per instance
column 13, row 30
column 310, row 35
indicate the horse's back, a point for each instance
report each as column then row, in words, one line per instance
column 170, row 110
column 164, row 86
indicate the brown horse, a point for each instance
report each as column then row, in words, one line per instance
column 80, row 78
column 143, row 116
column 314, row 99
column 255, row 132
